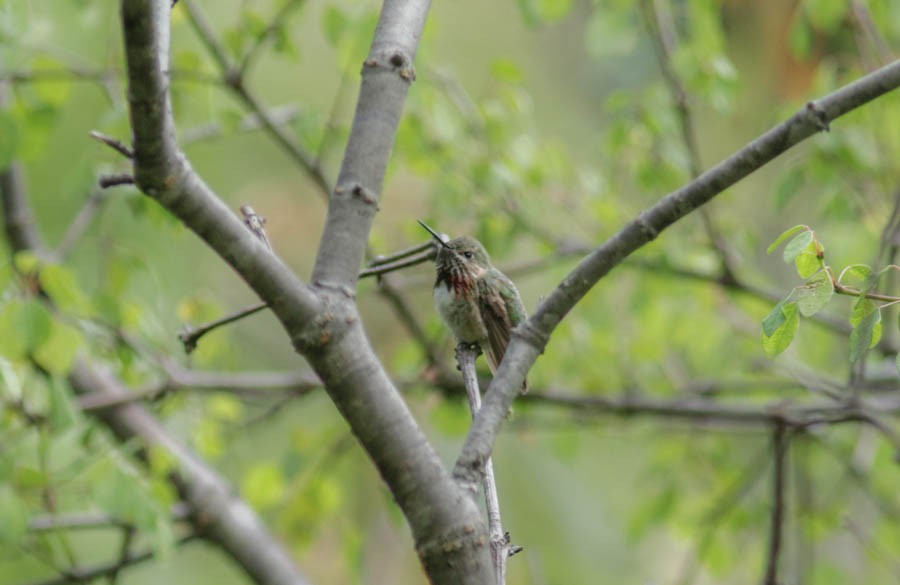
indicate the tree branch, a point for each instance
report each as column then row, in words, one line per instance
column 500, row 549
column 322, row 320
column 530, row 338
column 162, row 171
column 89, row 574
column 776, row 523
column 387, row 74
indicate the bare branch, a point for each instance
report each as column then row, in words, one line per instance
column 321, row 319
column 192, row 335
column 780, row 442
column 388, row 267
column 79, row 225
column 92, row 520
column 88, row 574
column 466, row 356
column 280, row 116
column 232, row 76
column 530, row 338
column 387, row 74
column 113, row 143
column 659, row 21
column 107, row 181
column 278, row 21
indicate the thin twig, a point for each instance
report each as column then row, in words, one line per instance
column 246, row 384
column 500, row 547
column 93, row 520
column 79, row 225
column 280, row 116
column 191, row 335
column 113, row 143
column 405, row 253
column 660, row 24
column 780, row 443
column 107, row 181
column 385, row 268
column 232, row 77
column 89, row 574
column 278, row 21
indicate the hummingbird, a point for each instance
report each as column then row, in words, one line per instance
column 480, row 304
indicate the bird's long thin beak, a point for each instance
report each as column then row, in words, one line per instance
column 434, row 234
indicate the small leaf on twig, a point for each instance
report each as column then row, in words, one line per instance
column 815, row 294
column 779, row 331
column 784, row 236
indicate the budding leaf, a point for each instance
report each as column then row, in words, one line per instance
column 797, row 245
column 784, row 236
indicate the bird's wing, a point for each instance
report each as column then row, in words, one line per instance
column 501, row 309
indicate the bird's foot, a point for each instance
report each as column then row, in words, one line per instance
column 466, row 346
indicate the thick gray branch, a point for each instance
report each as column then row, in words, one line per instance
column 387, row 74
column 162, row 171
column 322, row 321
column 221, row 515
column 530, row 338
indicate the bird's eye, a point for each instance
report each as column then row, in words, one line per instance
column 468, row 255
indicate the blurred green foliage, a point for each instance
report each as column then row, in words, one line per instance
column 540, row 133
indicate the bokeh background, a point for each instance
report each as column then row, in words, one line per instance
column 538, row 126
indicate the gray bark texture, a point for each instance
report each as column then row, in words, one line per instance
column 321, row 317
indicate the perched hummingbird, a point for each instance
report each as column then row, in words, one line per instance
column 480, row 304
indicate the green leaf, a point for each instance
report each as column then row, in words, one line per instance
column 62, row 410
column 775, row 319
column 861, row 307
column 554, row 10
column 611, row 33
column 808, row 262
column 264, row 485
column 225, row 407
column 815, row 294
column 826, row 15
column 10, row 383
column 529, row 11
column 60, row 283
column 856, row 272
column 334, row 22
column 784, row 236
column 34, row 321
column 783, row 335
column 507, row 70
column 58, row 352
column 13, row 516
column 26, row 262
column 800, row 37
column 865, row 335
column 796, row 245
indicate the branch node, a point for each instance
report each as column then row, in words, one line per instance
column 256, row 224
column 644, row 225
column 817, row 116
column 365, row 195
column 397, row 62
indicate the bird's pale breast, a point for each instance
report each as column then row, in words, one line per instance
column 460, row 314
